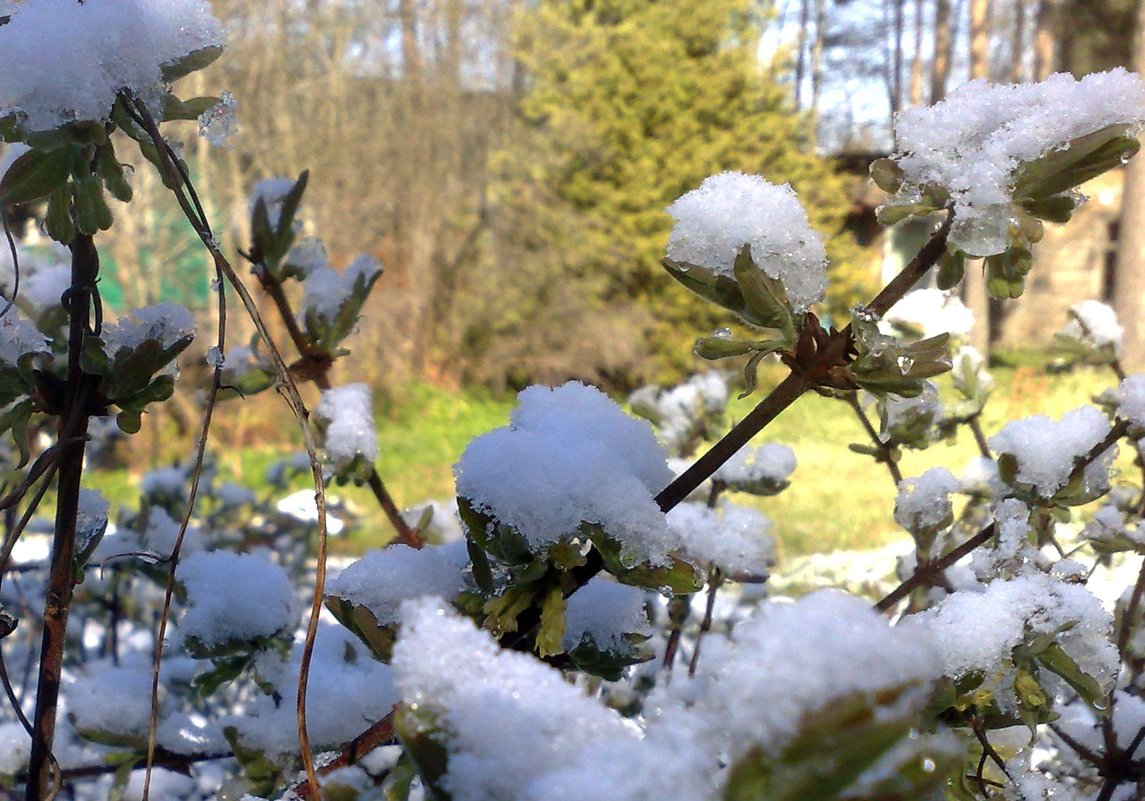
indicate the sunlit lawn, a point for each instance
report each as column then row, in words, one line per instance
column 838, row 499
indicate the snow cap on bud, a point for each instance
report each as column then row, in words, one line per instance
column 731, row 210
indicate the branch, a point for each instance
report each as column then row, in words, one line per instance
column 320, row 376
column 72, row 433
column 930, row 570
column 288, row 389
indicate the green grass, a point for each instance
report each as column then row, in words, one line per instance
column 837, row 500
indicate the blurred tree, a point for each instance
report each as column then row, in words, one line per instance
column 644, row 100
column 1129, row 281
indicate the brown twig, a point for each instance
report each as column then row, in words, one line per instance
column 202, row 227
column 72, row 432
column 926, row 573
column 715, row 579
column 288, row 388
column 884, row 450
column 357, row 749
column 320, row 376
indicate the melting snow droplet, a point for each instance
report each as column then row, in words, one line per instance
column 905, row 363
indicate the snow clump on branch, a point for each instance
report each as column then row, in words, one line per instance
column 571, row 455
column 63, row 61
column 731, row 210
column 973, row 144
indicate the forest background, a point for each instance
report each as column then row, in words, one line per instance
column 508, row 163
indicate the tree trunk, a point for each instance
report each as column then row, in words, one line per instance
column 1045, row 44
column 943, row 42
column 817, row 58
column 1017, row 41
column 974, row 287
column 801, row 54
column 916, row 61
column 1129, row 280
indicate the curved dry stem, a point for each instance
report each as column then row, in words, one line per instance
column 288, row 389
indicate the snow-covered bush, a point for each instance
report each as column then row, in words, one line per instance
column 560, row 648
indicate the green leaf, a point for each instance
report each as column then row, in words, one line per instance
column 91, row 209
column 1081, row 159
column 887, row 175
column 482, row 573
column 1006, row 273
column 111, row 171
column 420, row 733
column 36, row 174
column 192, row 62
column 550, row 637
column 176, row 109
column 834, row 747
column 891, row 214
column 364, row 625
column 951, row 269
column 1056, row 659
column 764, row 297
column 717, row 347
column 1055, row 208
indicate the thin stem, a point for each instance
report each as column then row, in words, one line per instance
column 786, row 393
column 714, row 581
column 1127, row 624
column 927, row 572
column 288, row 388
column 72, row 441
column 975, row 424
column 355, row 750
column 321, row 378
column 884, row 450
column 914, row 272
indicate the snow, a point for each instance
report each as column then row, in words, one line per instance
column 978, row 630
column 19, row 337
column 234, row 597
column 754, row 688
column 62, row 61
column 15, row 748
column 603, row 612
column 1094, row 323
column 771, row 463
column 325, row 290
column 1045, row 449
column 973, row 143
column 218, row 124
column 348, row 422
column 679, row 412
column 571, row 455
column 505, row 717
column 930, row 312
column 1130, row 398
column 271, row 191
column 730, row 210
column 112, row 700
column 348, row 691
column 44, row 286
column 307, row 255
column 923, row 502
column 733, row 538
column 382, row 579
column 167, row 322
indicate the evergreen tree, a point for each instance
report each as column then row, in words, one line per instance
column 643, row 101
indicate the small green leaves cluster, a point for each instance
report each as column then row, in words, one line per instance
column 756, row 298
column 513, row 576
